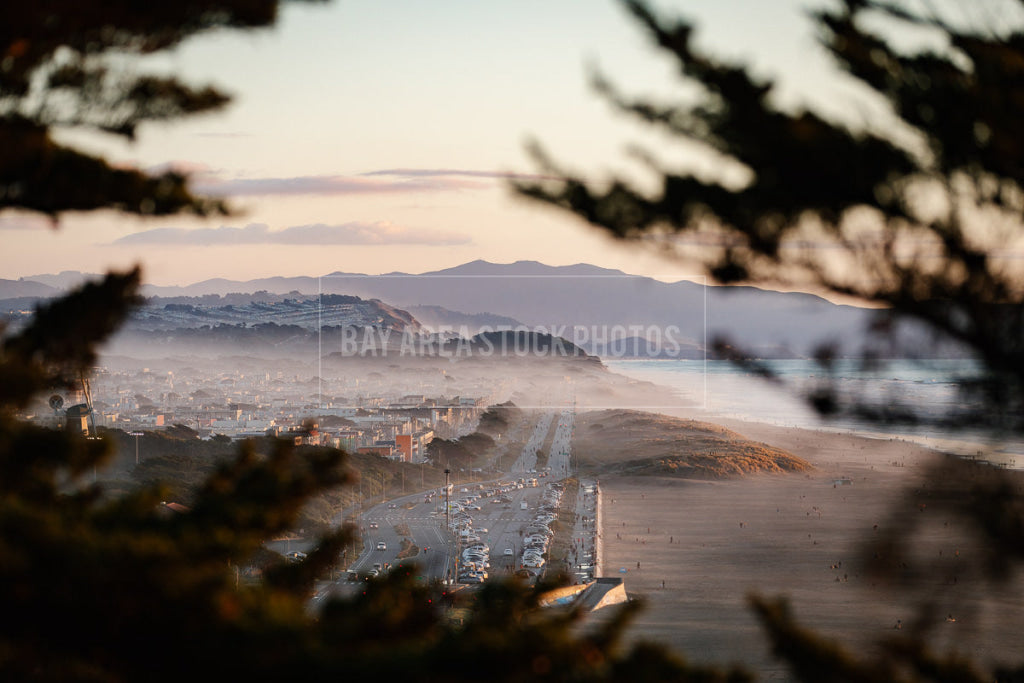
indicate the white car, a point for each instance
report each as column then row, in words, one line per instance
column 381, row 545
column 509, row 552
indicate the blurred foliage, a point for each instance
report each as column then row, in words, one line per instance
column 917, row 210
column 72, row 66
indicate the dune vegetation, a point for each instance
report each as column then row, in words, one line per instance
column 639, row 443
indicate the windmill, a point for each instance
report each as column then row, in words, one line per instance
column 79, row 417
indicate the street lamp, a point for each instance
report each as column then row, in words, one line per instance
column 136, row 435
column 447, row 518
column 447, row 500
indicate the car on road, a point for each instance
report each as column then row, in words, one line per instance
column 381, row 545
column 509, row 552
column 373, row 525
column 392, row 506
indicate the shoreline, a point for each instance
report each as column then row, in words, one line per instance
column 710, row 543
column 688, row 403
column 998, row 454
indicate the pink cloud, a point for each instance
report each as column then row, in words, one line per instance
column 386, row 181
column 329, row 185
column 379, row 233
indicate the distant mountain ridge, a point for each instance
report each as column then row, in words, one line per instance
column 21, row 289
column 583, row 302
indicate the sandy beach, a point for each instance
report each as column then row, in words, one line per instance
column 713, row 542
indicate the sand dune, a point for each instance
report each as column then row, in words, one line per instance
column 643, row 443
column 798, row 534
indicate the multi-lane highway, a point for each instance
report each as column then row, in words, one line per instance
column 499, row 512
column 527, row 460
column 498, row 523
column 560, row 455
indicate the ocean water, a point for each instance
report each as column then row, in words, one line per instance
column 723, row 389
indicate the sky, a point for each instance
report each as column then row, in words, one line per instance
column 376, row 136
